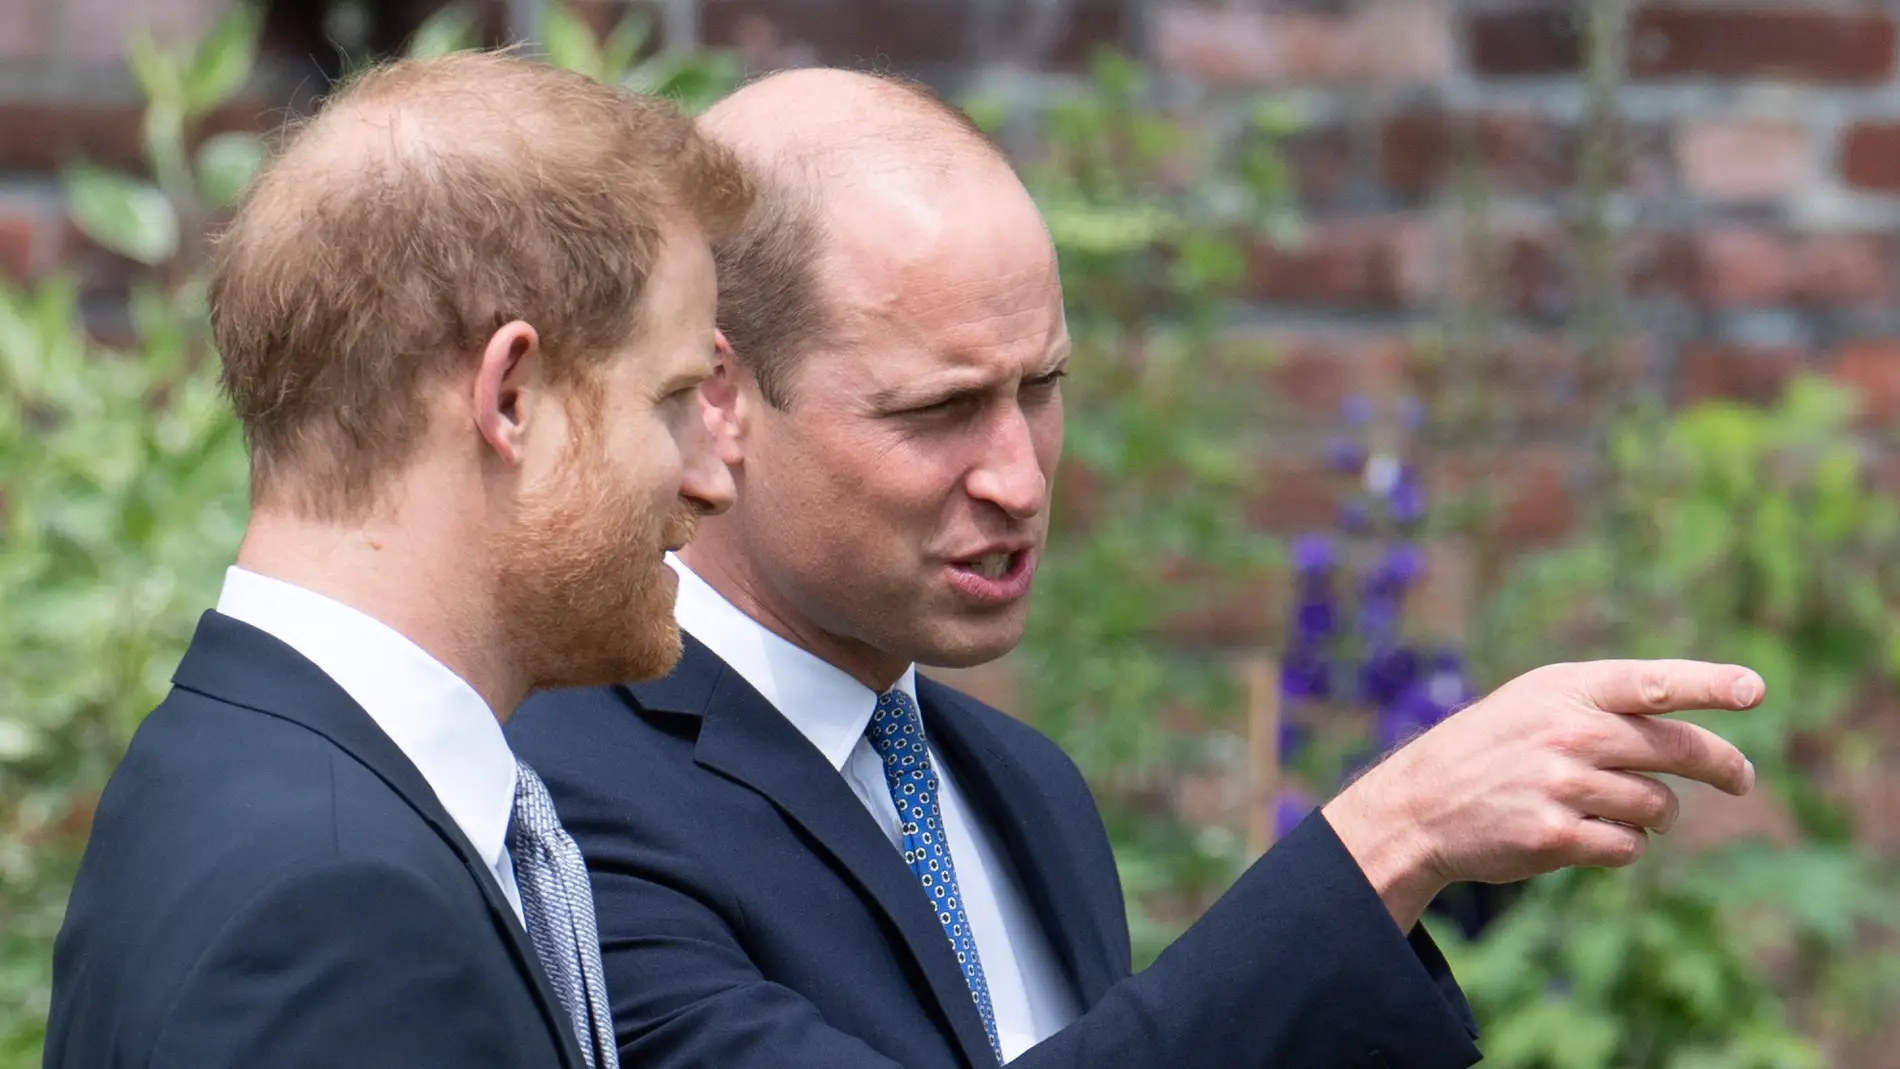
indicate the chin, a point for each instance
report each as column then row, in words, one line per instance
column 977, row 647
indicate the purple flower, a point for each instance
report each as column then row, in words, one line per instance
column 1406, row 503
column 1312, row 555
column 1290, row 808
column 1386, row 673
column 1305, row 674
column 1357, row 409
column 1395, row 571
column 1314, row 620
column 1346, row 455
column 1378, row 616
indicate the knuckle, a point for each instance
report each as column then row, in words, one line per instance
column 1576, row 738
column 1553, row 834
column 1628, row 847
column 1569, row 784
column 1659, row 806
column 1654, row 687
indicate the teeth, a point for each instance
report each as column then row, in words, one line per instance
column 991, row 565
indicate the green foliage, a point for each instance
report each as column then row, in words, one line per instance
column 1152, row 219
column 1757, row 539
column 124, row 479
column 624, row 56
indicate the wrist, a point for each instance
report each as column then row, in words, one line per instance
column 1392, row 851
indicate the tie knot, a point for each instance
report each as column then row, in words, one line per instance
column 896, row 729
column 534, row 813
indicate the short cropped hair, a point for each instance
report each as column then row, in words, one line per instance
column 428, row 203
column 772, row 308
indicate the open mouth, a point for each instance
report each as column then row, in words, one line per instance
column 990, row 565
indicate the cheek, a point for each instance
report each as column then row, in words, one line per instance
column 1045, row 435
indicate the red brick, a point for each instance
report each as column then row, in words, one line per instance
column 1304, row 376
column 1530, row 486
column 1870, row 156
column 1741, row 267
column 1541, row 40
column 1086, row 28
column 1321, row 158
column 1845, row 269
column 1523, row 383
column 26, row 231
column 1364, row 263
column 1755, row 374
column 1835, row 47
column 880, row 34
column 1394, row 42
column 1225, row 613
column 1294, row 492
column 1734, row 266
column 1519, row 151
column 1744, row 160
column 1873, row 367
column 43, row 136
column 19, row 242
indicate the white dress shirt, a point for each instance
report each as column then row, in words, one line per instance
column 432, row 715
column 1030, row 998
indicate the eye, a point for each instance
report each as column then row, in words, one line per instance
column 947, row 406
column 1046, row 383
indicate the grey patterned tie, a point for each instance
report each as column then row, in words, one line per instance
column 559, row 906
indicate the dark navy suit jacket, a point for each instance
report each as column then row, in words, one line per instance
column 753, row 915
column 271, row 883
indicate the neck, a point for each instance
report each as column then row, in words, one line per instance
column 409, row 566
column 711, row 555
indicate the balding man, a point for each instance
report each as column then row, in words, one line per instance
column 808, row 856
column 464, row 318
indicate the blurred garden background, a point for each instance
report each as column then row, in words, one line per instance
column 1419, row 342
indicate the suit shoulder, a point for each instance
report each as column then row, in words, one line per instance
column 595, row 741
column 1025, row 742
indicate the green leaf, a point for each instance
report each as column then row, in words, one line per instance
column 226, row 165
column 624, row 45
column 569, row 42
column 223, row 61
column 159, row 73
column 125, row 215
column 451, row 29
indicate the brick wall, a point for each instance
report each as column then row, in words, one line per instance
column 1757, row 165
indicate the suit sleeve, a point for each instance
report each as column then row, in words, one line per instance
column 353, row 965
column 1297, row 967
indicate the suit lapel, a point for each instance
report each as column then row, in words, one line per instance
column 1016, row 811
column 744, row 738
column 237, row 663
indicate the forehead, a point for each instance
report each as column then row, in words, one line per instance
column 959, row 279
column 678, row 308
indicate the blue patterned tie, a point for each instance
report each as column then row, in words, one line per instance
column 897, row 734
column 558, row 903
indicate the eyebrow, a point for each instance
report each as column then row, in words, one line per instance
column 911, row 395
column 685, row 377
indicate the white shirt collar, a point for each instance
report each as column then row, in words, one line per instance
column 822, row 701
column 438, row 721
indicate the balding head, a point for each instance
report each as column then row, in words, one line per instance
column 427, row 204
column 848, row 165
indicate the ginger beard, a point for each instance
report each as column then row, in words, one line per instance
column 586, row 594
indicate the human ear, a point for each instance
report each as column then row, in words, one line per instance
column 509, row 373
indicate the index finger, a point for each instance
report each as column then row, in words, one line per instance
column 1642, row 688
